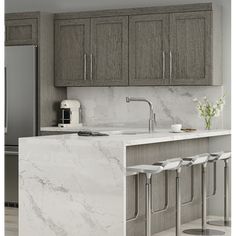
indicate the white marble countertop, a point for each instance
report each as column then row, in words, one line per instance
column 141, row 136
column 64, row 181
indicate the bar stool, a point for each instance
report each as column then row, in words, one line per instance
column 148, row 170
column 201, row 160
column 168, row 165
column 224, row 156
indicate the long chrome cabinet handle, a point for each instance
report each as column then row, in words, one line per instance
column 85, row 66
column 171, row 65
column 163, row 64
column 6, row 102
column 91, row 66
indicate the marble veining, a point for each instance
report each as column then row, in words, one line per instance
column 71, row 185
column 107, row 106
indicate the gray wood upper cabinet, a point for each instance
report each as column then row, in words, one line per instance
column 172, row 45
column 72, row 50
column 21, row 32
column 148, row 49
column 109, row 51
column 190, row 48
column 91, row 52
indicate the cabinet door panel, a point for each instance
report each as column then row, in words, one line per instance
column 72, row 52
column 148, row 49
column 190, row 44
column 109, row 48
column 21, row 32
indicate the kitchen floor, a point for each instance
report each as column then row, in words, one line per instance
column 11, row 221
column 11, row 227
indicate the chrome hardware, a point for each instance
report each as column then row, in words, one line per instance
column 163, row 65
column 152, row 116
column 171, row 64
column 85, row 66
column 91, row 66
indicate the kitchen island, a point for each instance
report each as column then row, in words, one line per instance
column 73, row 185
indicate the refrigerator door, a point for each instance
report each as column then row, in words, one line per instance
column 20, row 102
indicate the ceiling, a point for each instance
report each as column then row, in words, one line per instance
column 86, row 5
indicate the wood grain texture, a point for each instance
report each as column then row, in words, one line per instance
column 137, row 11
column 109, row 48
column 217, row 72
column 148, row 40
column 49, row 95
column 191, row 47
column 21, row 32
column 72, row 43
column 149, row 154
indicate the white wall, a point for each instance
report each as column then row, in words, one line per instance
column 173, row 104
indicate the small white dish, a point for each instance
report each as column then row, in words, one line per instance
column 176, row 132
column 176, row 128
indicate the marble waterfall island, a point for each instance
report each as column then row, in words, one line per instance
column 71, row 185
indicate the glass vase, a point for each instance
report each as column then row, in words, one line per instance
column 208, row 122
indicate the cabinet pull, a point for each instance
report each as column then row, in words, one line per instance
column 163, row 65
column 171, row 65
column 85, row 66
column 91, row 66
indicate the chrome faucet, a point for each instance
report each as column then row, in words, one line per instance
column 152, row 116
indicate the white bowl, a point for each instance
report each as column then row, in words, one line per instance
column 176, row 128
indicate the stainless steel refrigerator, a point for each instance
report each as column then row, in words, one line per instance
column 20, row 109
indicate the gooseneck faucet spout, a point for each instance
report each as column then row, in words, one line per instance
column 152, row 116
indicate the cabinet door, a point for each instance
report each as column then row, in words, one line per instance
column 190, row 48
column 72, row 52
column 109, row 51
column 21, row 32
column 148, row 49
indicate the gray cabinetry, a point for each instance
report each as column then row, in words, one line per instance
column 190, row 48
column 21, row 32
column 36, row 28
column 91, row 52
column 148, row 49
column 109, row 51
column 72, row 52
column 171, row 45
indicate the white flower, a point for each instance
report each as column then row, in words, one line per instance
column 195, row 100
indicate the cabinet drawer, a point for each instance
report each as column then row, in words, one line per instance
column 21, row 32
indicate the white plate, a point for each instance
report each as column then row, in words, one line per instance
column 176, row 132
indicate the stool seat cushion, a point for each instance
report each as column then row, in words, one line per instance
column 197, row 160
column 147, row 169
column 214, row 156
column 170, row 164
column 225, row 156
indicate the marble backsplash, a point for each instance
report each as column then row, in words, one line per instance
column 107, row 106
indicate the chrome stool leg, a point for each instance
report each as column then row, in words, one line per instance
column 148, row 205
column 148, row 170
column 226, row 221
column 178, row 204
column 175, row 165
column 204, row 230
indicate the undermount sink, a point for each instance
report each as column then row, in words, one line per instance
column 127, row 132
